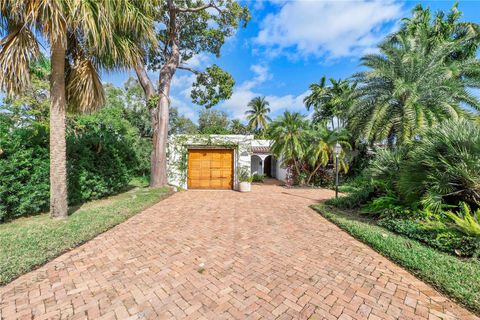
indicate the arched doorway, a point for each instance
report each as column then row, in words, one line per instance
column 256, row 164
column 267, row 167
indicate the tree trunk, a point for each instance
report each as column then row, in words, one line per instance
column 58, row 144
column 313, row 173
column 160, row 134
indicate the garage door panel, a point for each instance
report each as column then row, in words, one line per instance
column 210, row 169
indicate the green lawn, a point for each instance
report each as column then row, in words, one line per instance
column 457, row 278
column 27, row 243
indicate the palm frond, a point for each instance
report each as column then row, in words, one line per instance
column 83, row 87
column 18, row 50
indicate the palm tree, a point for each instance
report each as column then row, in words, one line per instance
column 257, row 116
column 330, row 102
column 82, row 37
column 415, row 82
column 320, row 148
column 288, row 133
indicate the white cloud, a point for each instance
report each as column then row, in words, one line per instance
column 330, row 29
column 246, row 91
column 242, row 94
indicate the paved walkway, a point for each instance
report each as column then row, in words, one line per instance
column 225, row 255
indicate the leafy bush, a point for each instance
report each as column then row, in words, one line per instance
column 443, row 167
column 258, row 177
column 385, row 167
column 385, row 206
column 361, row 190
column 436, row 235
column 24, row 170
column 103, row 152
column 466, row 221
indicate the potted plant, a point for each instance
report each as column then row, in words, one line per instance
column 245, row 180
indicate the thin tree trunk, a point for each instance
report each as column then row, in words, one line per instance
column 149, row 90
column 159, row 159
column 58, row 144
column 313, row 173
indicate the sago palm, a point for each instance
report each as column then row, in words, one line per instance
column 257, row 115
column 289, row 133
column 82, row 36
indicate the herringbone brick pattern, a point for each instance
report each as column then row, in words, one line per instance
column 225, row 255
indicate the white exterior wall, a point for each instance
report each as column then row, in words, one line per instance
column 281, row 173
column 178, row 145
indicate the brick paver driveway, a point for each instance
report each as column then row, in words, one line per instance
column 225, row 255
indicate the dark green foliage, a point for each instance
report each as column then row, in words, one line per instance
column 24, row 170
column 258, row 177
column 104, row 151
column 444, row 166
column 211, row 121
column 101, row 153
column 436, row 235
column 360, row 190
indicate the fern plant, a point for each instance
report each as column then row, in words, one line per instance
column 466, row 221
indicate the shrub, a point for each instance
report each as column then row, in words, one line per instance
column 385, row 167
column 103, row 153
column 466, row 221
column 436, row 235
column 258, row 177
column 443, row 166
column 24, row 170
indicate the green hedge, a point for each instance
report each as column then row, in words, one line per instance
column 104, row 151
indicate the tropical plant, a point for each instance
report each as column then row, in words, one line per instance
column 332, row 102
column 82, row 35
column 288, row 132
column 416, row 81
column 442, row 27
column 186, row 29
column 466, row 221
column 385, row 166
column 443, row 167
column 257, row 115
column 237, row 127
column 211, row 121
column 320, row 148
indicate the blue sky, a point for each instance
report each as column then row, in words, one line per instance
column 289, row 44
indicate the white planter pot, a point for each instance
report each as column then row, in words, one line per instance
column 245, row 186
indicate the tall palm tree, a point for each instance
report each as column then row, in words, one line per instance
column 82, row 37
column 288, row 133
column 417, row 80
column 330, row 103
column 320, row 148
column 257, row 115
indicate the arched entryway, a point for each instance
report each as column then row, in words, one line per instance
column 256, row 164
column 267, row 167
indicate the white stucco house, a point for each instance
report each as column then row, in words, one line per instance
column 215, row 161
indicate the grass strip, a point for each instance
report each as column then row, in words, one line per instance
column 457, row 278
column 29, row 242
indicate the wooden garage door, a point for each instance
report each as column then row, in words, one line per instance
column 210, row 169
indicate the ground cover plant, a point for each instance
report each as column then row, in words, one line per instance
column 458, row 278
